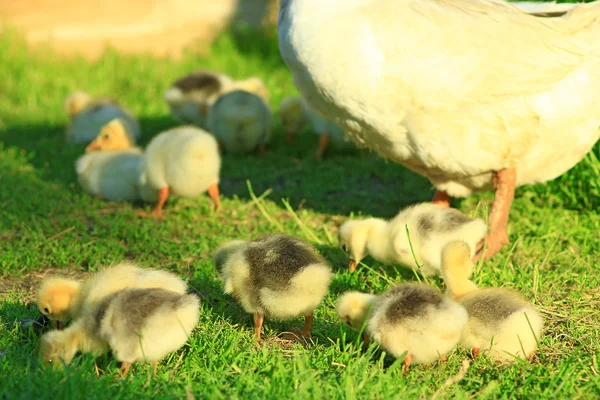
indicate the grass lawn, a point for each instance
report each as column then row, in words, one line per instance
column 48, row 224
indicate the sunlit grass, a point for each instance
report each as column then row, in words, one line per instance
column 48, row 222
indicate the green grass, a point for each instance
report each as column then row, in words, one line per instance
column 48, row 223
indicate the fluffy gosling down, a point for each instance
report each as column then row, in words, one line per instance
column 56, row 299
column 184, row 162
column 61, row 299
column 277, row 276
column 501, row 322
column 190, row 96
column 111, row 167
column 135, row 324
column 241, row 121
column 89, row 115
column 295, row 114
column 410, row 318
column 430, row 227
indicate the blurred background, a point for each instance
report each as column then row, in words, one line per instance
column 160, row 27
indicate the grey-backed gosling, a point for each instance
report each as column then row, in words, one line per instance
column 278, row 276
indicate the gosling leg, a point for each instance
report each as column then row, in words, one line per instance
column 125, row 367
column 213, row 192
column 323, row 142
column 307, row 325
column 258, row 322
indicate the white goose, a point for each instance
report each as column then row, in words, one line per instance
column 472, row 94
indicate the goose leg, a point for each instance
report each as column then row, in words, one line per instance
column 323, row 142
column 307, row 325
column 441, row 198
column 504, row 185
column 154, row 367
column 213, row 192
column 258, row 322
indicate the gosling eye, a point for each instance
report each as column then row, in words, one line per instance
column 105, row 136
column 46, row 310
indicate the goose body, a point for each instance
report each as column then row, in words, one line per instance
column 241, row 121
column 501, row 322
column 89, row 116
column 183, row 161
column 277, row 276
column 414, row 238
column 137, row 324
column 61, row 299
column 190, row 96
column 410, row 318
column 464, row 93
column 111, row 175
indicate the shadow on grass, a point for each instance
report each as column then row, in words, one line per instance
column 18, row 318
column 343, row 182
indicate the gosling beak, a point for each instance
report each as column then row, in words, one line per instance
column 352, row 265
column 92, row 147
column 290, row 137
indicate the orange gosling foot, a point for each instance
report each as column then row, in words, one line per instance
column 323, row 142
column 258, row 322
column 441, row 198
column 475, row 352
column 307, row 325
column 213, row 192
column 443, row 359
column 407, row 361
column 352, row 265
column 504, row 184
